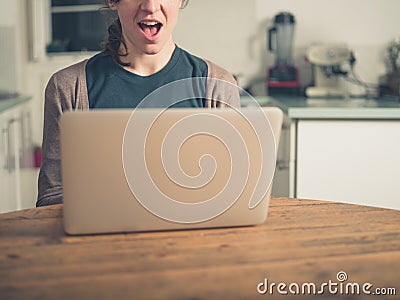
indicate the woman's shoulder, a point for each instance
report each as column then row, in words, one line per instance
column 217, row 72
column 211, row 69
column 67, row 87
column 73, row 72
column 222, row 87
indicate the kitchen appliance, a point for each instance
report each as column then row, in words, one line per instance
column 326, row 61
column 283, row 77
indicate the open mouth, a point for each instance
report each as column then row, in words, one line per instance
column 150, row 28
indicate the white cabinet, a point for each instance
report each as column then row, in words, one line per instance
column 280, row 187
column 17, row 176
column 349, row 161
column 9, row 184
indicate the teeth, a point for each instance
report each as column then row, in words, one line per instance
column 150, row 23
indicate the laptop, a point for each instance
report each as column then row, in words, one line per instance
column 167, row 169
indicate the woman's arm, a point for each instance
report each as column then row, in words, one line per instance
column 66, row 90
column 49, row 187
column 222, row 89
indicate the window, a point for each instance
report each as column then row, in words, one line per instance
column 78, row 25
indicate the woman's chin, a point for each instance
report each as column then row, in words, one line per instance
column 156, row 48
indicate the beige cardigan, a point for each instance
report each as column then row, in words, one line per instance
column 67, row 90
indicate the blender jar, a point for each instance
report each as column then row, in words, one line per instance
column 283, row 31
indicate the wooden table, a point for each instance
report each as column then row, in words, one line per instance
column 302, row 242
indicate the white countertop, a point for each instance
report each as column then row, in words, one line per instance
column 347, row 108
column 11, row 102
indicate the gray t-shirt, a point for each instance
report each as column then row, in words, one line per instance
column 111, row 86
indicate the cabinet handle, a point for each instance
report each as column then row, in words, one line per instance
column 5, row 134
column 26, row 156
column 282, row 165
column 10, row 166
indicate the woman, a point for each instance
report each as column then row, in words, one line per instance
column 139, row 56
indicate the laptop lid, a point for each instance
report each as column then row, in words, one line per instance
column 157, row 169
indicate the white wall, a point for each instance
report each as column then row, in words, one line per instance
column 11, row 46
column 8, row 14
column 221, row 31
column 233, row 33
column 356, row 22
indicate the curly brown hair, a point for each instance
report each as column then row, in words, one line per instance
column 114, row 39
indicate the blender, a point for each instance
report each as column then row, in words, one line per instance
column 283, row 78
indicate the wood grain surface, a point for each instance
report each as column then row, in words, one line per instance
column 302, row 241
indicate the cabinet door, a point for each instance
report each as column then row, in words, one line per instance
column 18, row 178
column 349, row 161
column 27, row 174
column 9, row 185
column 281, row 183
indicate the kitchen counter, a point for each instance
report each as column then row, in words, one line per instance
column 347, row 108
column 338, row 149
column 8, row 103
